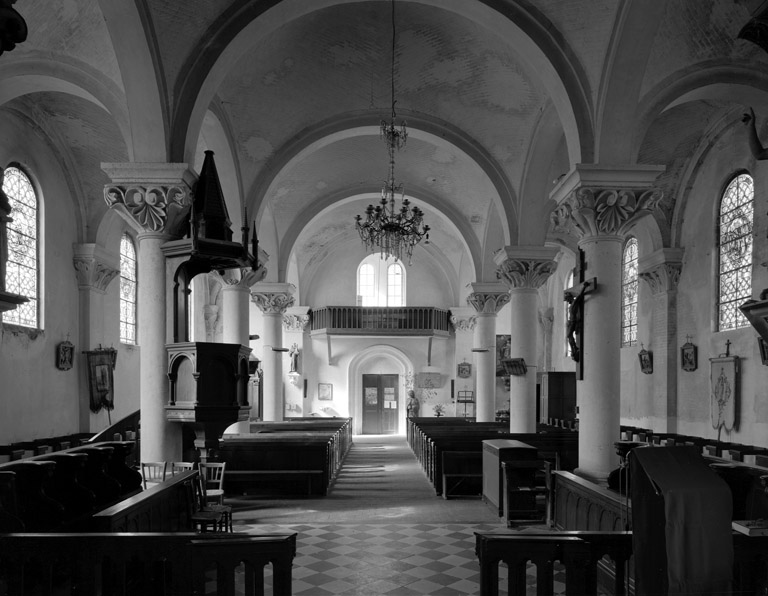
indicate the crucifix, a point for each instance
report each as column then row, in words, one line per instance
column 575, row 296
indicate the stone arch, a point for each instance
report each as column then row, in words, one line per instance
column 402, row 364
column 531, row 34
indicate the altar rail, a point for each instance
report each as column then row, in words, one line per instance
column 357, row 320
column 581, row 553
column 144, row 564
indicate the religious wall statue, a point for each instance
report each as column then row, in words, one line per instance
column 294, row 354
column 575, row 320
column 413, row 406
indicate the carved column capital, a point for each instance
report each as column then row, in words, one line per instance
column 525, row 267
column 243, row 278
column 95, row 268
column 152, row 197
column 661, row 270
column 293, row 322
column 595, row 201
column 273, row 298
column 488, row 298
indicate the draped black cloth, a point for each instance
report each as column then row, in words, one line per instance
column 681, row 523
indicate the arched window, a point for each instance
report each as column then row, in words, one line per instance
column 735, row 251
column 22, row 275
column 568, row 284
column 380, row 282
column 395, row 285
column 629, row 286
column 128, row 280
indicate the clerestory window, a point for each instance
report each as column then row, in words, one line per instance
column 629, row 287
column 380, row 282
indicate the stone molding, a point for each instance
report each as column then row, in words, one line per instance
column 152, row 197
column 293, row 322
column 463, row 324
column 488, row 298
column 662, row 278
column 661, row 269
column 593, row 212
column 273, row 298
column 94, row 267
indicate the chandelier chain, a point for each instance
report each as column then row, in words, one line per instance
column 394, row 233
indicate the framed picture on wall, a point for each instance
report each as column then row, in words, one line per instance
column 688, row 357
column 325, row 391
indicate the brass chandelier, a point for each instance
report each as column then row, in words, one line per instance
column 393, row 232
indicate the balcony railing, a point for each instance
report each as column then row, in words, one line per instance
column 367, row 320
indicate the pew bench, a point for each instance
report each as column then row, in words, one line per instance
column 462, row 474
column 240, row 481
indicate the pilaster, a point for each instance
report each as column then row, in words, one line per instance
column 487, row 299
column 600, row 205
column 524, row 269
column 95, row 268
column 661, row 271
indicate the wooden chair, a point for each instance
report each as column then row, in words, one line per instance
column 213, row 481
column 202, row 516
column 153, row 472
column 181, row 466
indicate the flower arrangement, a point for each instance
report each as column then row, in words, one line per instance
column 438, row 409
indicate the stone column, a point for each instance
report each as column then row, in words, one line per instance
column 464, row 321
column 524, row 269
column 600, row 205
column 661, row 271
column 95, row 268
column 487, row 300
column 272, row 299
column 236, row 307
column 152, row 198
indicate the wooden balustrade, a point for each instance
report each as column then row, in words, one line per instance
column 144, row 564
column 407, row 320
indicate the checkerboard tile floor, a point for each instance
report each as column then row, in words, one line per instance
column 387, row 559
column 381, row 531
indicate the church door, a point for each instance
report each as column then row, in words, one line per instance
column 379, row 404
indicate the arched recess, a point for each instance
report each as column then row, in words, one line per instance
column 26, row 75
column 697, row 161
column 438, row 133
column 631, row 42
column 401, row 365
column 533, row 37
column 318, row 208
column 716, row 81
column 141, row 70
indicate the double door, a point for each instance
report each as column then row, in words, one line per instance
column 380, row 404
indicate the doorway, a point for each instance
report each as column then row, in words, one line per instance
column 380, row 404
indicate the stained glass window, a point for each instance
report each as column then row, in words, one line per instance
column 22, row 267
column 735, row 251
column 127, row 290
column 629, row 286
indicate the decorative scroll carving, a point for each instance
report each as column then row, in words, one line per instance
column 155, row 208
column 662, row 278
column 488, row 302
column 272, row 302
column 463, row 324
column 604, row 212
column 295, row 322
column 525, row 273
column 92, row 273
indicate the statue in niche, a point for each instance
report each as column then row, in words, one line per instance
column 758, row 151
